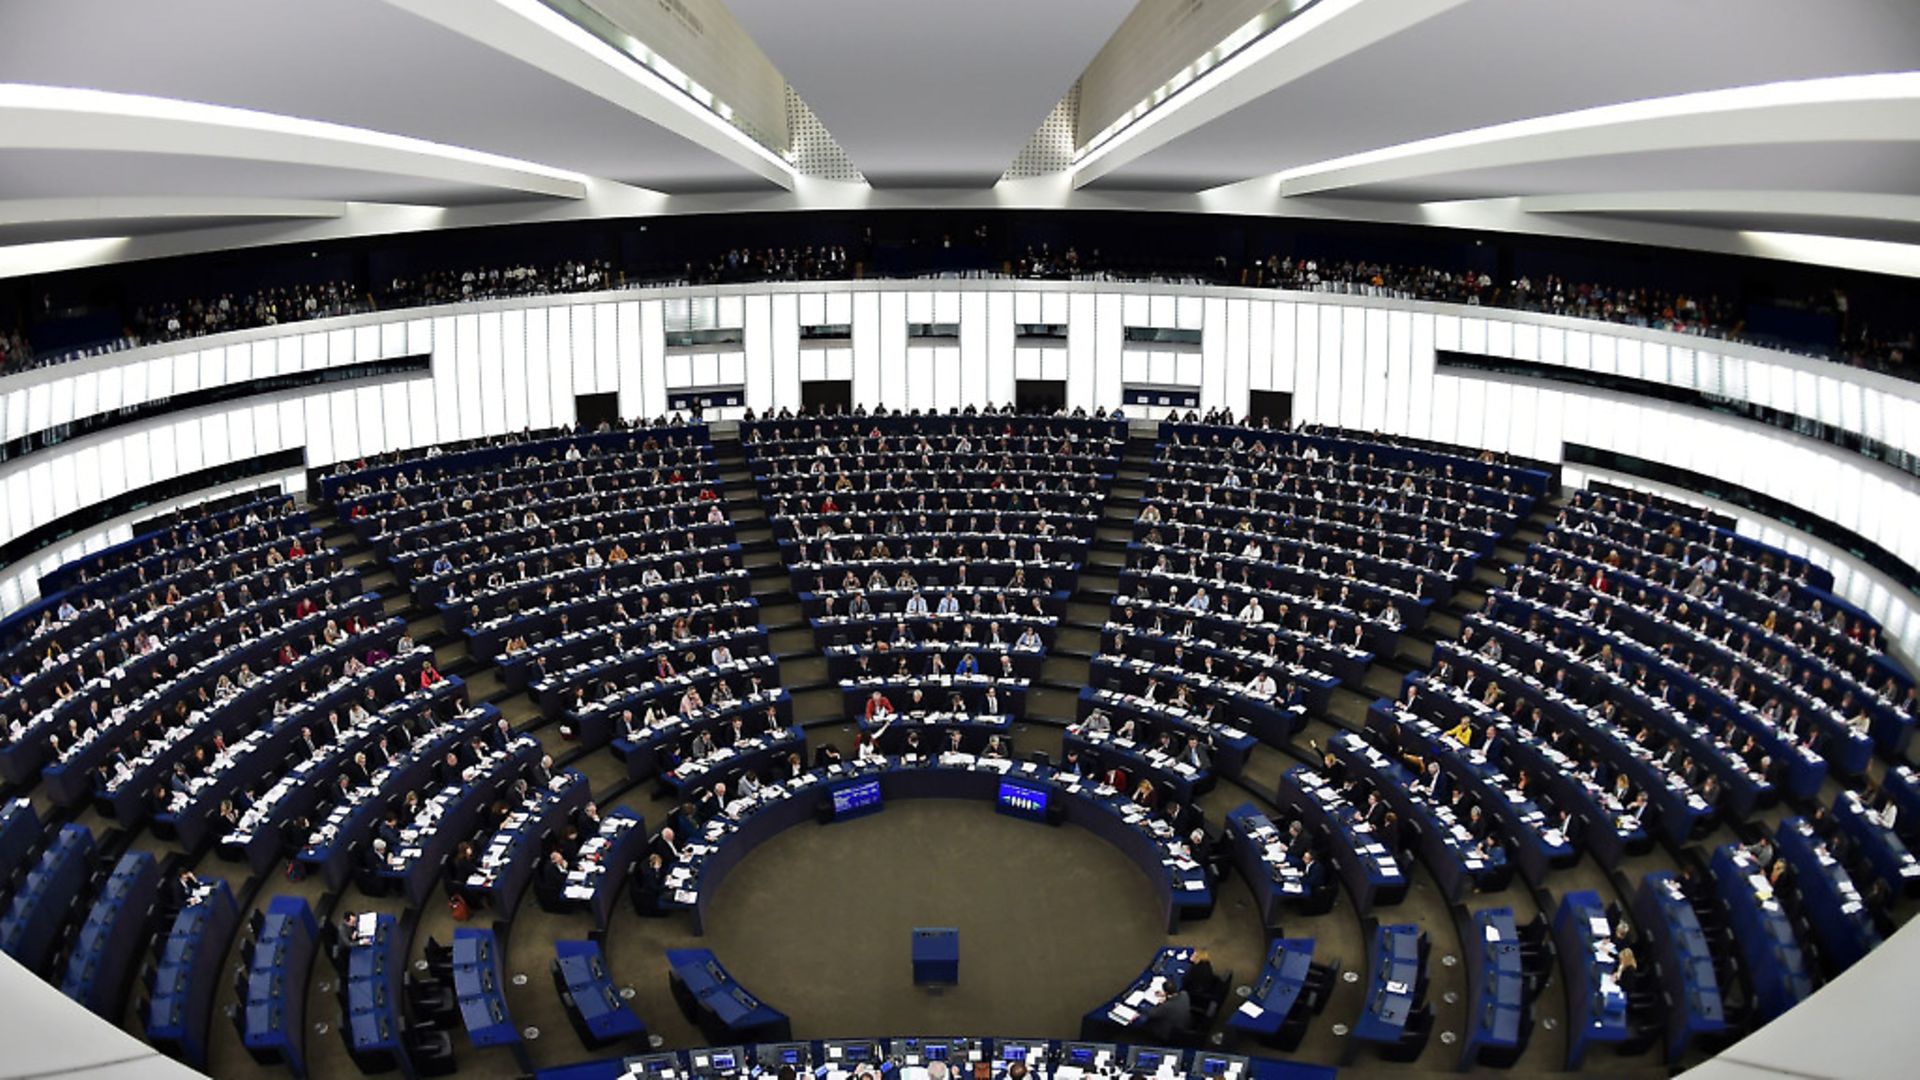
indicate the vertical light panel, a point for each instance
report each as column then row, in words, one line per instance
column 539, row 372
column 1107, row 332
column 513, row 368
column 313, row 352
column 490, row 373
column 560, row 366
column 867, row 348
column 1260, row 345
column 606, row 348
column 1353, row 367
column 628, row 336
column 448, row 374
column 1003, row 310
column 1373, row 365
column 946, row 372
column 1280, row 369
column 1445, row 425
column 396, row 417
column 1327, row 386
column 87, row 488
column 1236, row 341
column 1213, row 354
column 470, row 380
column 242, row 431
column 366, row 343
column 422, row 421
column 976, row 329
column 65, row 496
column 1306, row 365
column 340, row 348
column 345, row 411
column 783, row 351
column 377, row 433
column 894, row 378
column 1399, row 374
column 1083, row 361
column 580, row 348
column 758, row 355
column 653, row 356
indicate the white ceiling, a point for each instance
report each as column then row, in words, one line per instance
column 932, row 102
column 931, row 94
column 1491, row 61
column 363, row 63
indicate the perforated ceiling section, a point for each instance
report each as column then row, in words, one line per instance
column 1051, row 148
column 812, row 150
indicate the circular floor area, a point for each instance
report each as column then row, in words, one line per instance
column 1053, row 921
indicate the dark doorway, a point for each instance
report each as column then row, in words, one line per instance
column 826, row 395
column 1273, row 406
column 1039, row 395
column 596, row 409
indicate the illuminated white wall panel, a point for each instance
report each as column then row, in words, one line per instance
column 1351, row 361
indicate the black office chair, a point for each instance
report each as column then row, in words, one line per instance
column 430, row 1051
column 256, row 922
column 432, row 1000
column 439, row 959
column 1317, row 987
column 1039, row 757
column 1413, row 1041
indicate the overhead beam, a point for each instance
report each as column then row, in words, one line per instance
column 1318, row 37
column 156, row 207
column 1836, row 205
column 534, row 34
column 1852, row 108
column 68, row 118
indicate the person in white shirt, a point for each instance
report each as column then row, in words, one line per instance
column 916, row 604
column 949, row 604
column 1262, row 684
column 1252, row 611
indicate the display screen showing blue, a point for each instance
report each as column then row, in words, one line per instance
column 936, row 1053
column 858, row 797
column 1024, row 801
column 1013, row 1053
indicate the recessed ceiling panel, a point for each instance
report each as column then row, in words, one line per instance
column 1492, row 61
column 363, row 63
column 1887, row 168
column 49, row 174
column 931, row 94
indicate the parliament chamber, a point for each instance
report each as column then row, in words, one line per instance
column 591, row 539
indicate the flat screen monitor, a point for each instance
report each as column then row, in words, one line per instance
column 855, row 798
column 1023, row 800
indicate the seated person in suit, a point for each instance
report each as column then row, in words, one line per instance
column 1171, row 1013
column 550, row 884
column 1203, row 984
column 650, row 884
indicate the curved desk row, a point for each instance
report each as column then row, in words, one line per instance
column 723, row 1009
column 114, row 936
column 1149, row 841
column 188, row 972
column 31, row 927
